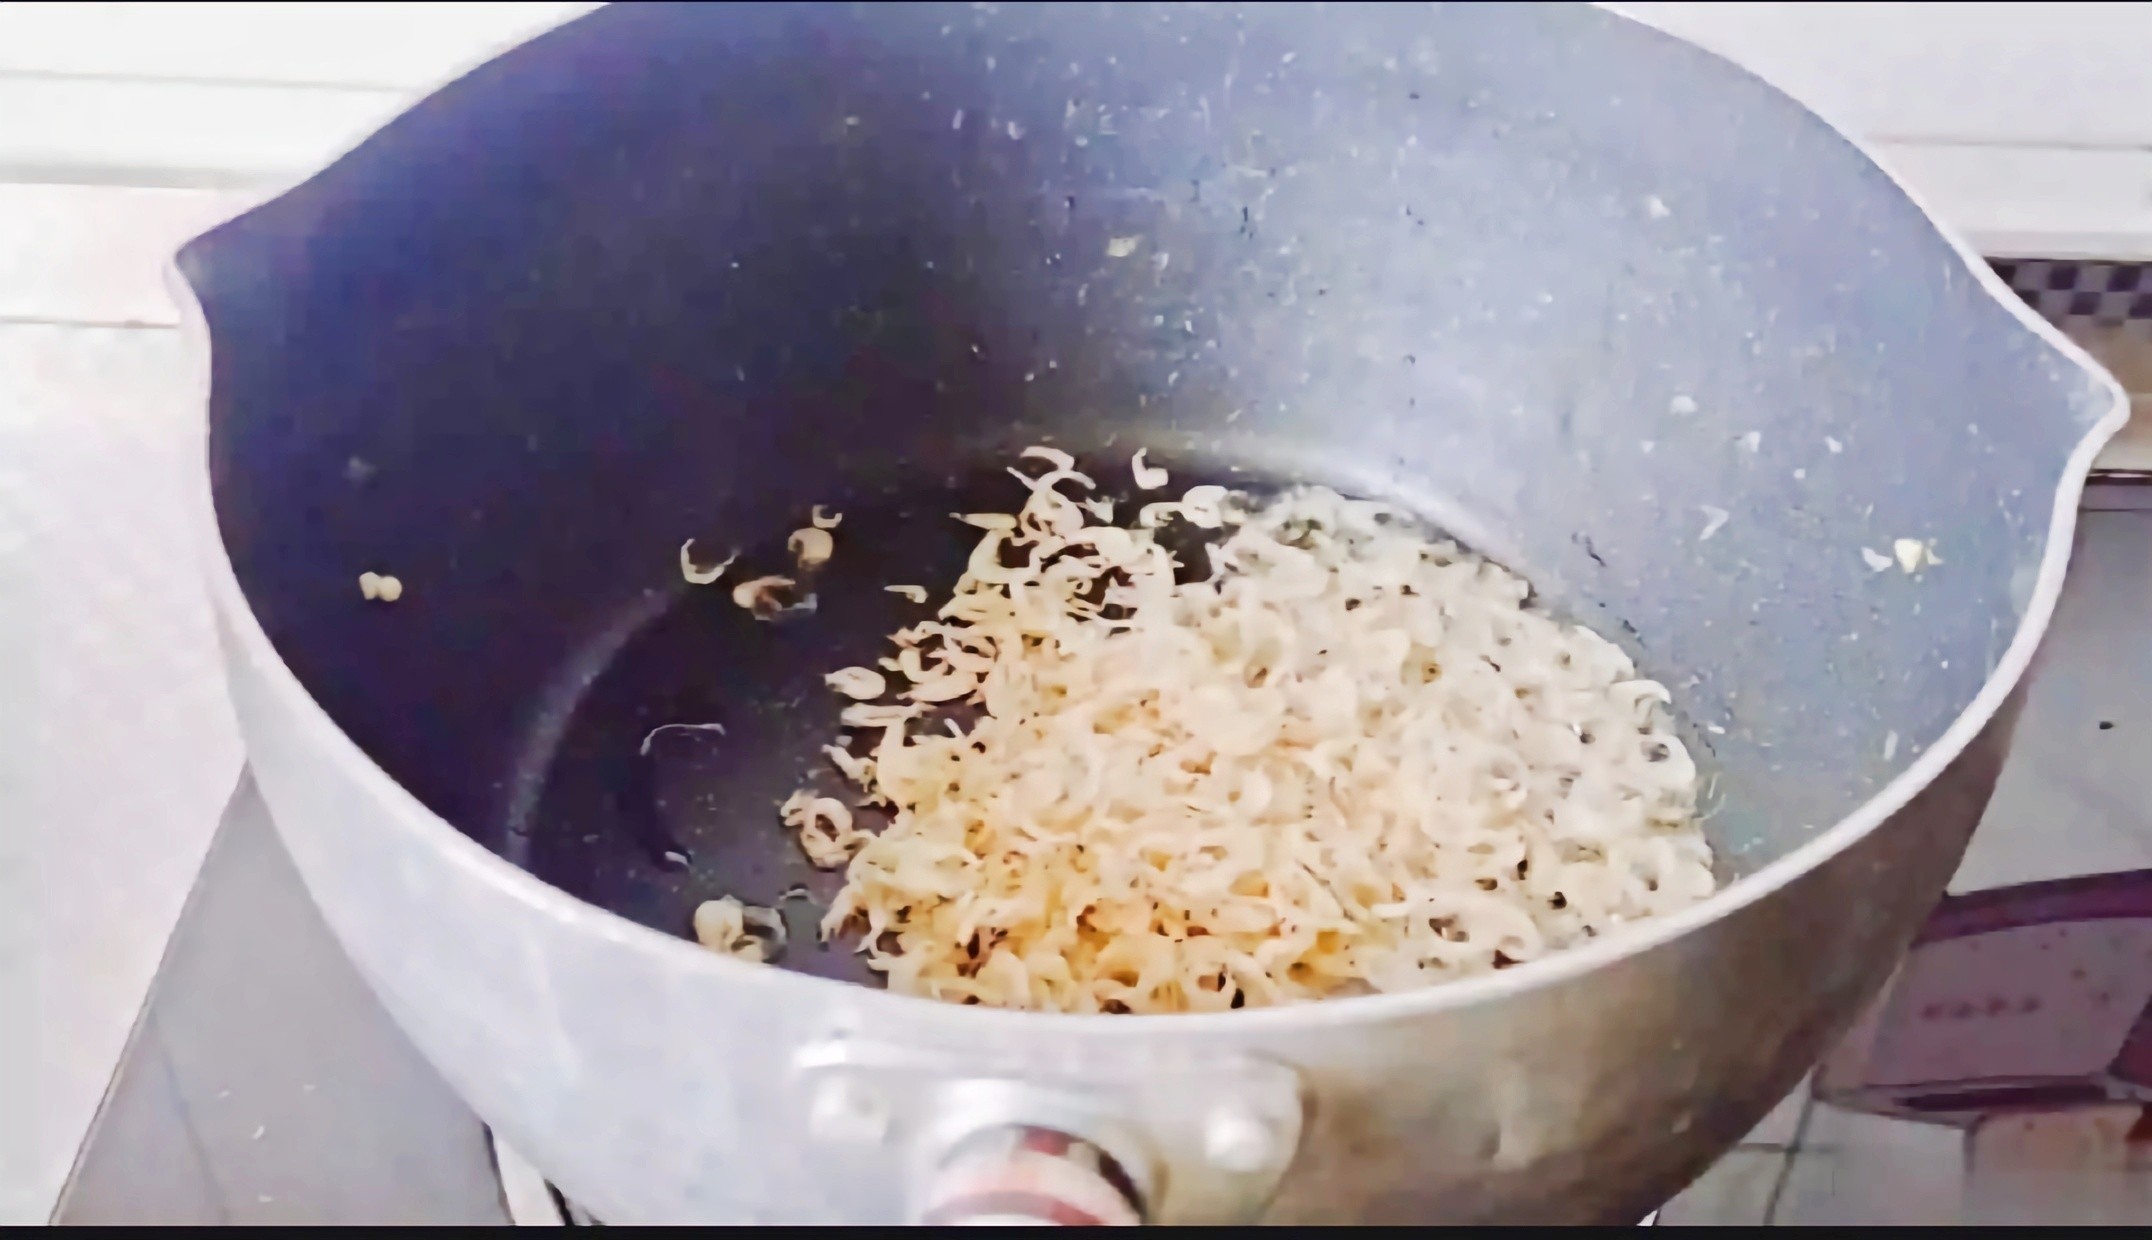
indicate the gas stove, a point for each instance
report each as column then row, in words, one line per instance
column 264, row 1083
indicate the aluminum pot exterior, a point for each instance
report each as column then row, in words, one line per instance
column 1591, row 1100
column 1613, row 311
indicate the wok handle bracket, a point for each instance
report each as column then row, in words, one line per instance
column 955, row 1140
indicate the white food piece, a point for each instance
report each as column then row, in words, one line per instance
column 1714, row 519
column 1351, row 758
column 878, row 714
column 1681, row 406
column 917, row 594
column 1052, row 456
column 824, row 520
column 825, row 828
column 1835, row 446
column 1912, row 554
column 810, row 546
column 1753, row 441
column 742, row 931
column 1122, row 247
column 858, row 683
column 1890, row 746
column 764, row 595
column 702, row 576
column 857, row 769
column 1148, row 477
column 1875, row 560
column 652, row 734
column 379, row 588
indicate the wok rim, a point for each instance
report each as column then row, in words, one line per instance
column 250, row 645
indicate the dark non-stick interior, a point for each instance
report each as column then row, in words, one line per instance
column 679, row 272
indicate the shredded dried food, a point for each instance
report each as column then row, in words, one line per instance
column 661, row 729
column 377, row 587
column 767, row 596
column 861, row 683
column 1348, row 758
column 1148, row 477
column 699, row 576
column 825, row 828
column 743, row 931
column 810, row 546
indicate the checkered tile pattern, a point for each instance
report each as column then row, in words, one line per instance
column 2073, row 291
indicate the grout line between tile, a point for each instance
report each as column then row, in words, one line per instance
column 1785, row 1166
column 34, row 320
column 193, row 1134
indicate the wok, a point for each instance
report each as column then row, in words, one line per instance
column 1594, row 301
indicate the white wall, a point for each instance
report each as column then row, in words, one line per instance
column 2028, row 125
column 218, row 93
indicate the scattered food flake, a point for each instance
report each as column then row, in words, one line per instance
column 652, row 735
column 259, row 1130
column 1875, row 560
column 1052, row 456
column 1656, row 208
column 810, row 546
column 857, row 769
column 1714, row 518
column 380, row 588
column 764, row 596
column 1835, row 446
column 1148, row 477
column 1913, row 554
column 702, row 576
column 742, row 931
column 1753, row 441
column 824, row 520
column 1122, row 247
column 1681, row 406
column 917, row 594
column 858, row 683
column 825, row 828
column 1890, row 746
